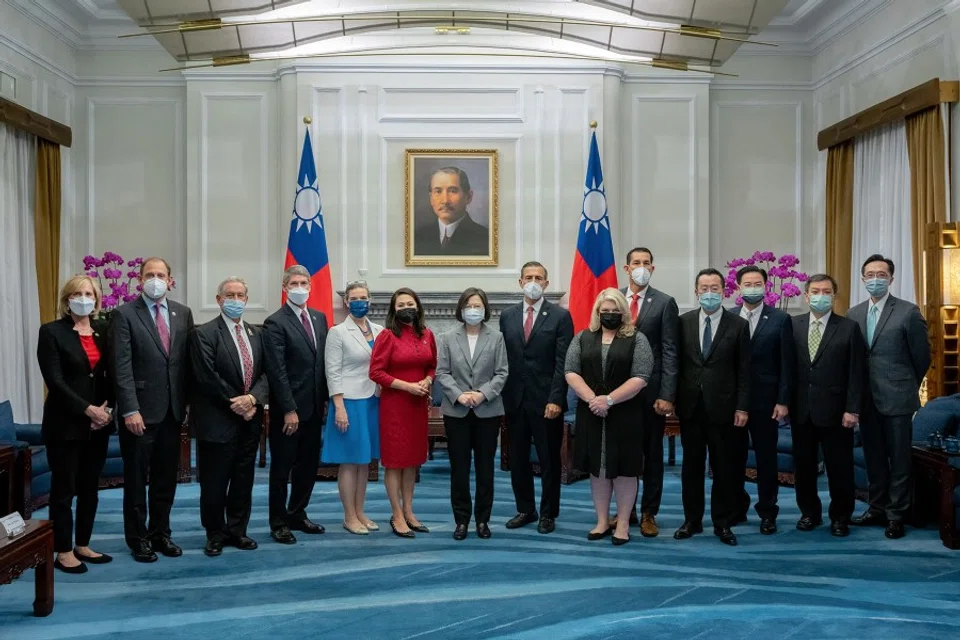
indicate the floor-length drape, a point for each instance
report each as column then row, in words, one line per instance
column 47, row 228
column 881, row 208
column 839, row 214
column 20, row 380
column 926, row 147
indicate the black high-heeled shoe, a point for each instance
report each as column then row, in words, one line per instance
column 402, row 534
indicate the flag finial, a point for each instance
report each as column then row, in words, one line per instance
column 593, row 124
column 307, row 119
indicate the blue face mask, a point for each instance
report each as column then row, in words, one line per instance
column 877, row 287
column 473, row 316
column 710, row 301
column 821, row 302
column 752, row 295
column 359, row 308
column 233, row 309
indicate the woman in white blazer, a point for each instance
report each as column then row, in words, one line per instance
column 351, row 437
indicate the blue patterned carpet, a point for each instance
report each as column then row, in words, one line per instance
column 517, row 585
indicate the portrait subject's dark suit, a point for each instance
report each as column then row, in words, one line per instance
column 295, row 371
column 659, row 321
column 827, row 385
column 470, row 238
column 711, row 388
column 897, row 362
column 151, row 381
column 535, row 379
column 226, row 443
column 771, row 382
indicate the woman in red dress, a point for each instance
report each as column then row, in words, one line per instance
column 403, row 363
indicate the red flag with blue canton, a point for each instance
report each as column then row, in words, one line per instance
column 593, row 264
column 307, row 244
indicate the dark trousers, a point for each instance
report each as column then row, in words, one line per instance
column 226, row 482
column 75, row 467
column 295, row 457
column 763, row 432
column 477, row 436
column 698, row 435
column 653, row 425
column 837, row 445
column 547, row 436
column 887, row 447
column 153, row 456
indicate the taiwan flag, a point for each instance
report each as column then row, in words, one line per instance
column 593, row 264
column 307, row 244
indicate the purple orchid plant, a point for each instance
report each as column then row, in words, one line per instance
column 118, row 286
column 782, row 277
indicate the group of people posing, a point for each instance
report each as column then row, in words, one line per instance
column 358, row 392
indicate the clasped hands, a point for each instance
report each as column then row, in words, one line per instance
column 99, row 416
column 421, row 388
column 244, row 406
column 471, row 399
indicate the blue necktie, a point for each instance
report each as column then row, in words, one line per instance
column 707, row 337
column 872, row 324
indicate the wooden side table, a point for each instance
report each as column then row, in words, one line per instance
column 32, row 549
column 435, row 429
column 672, row 430
column 934, row 482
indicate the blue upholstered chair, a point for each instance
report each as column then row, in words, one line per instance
column 785, row 468
column 942, row 415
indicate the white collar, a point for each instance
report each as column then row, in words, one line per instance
column 879, row 304
column 823, row 320
column 449, row 229
column 297, row 311
column 230, row 323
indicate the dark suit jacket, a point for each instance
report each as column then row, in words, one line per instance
column 469, row 239
column 772, row 364
column 721, row 377
column 832, row 383
column 659, row 321
column 218, row 376
column 536, row 367
column 295, row 368
column 147, row 379
column 72, row 385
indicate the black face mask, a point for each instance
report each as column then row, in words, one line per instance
column 407, row 316
column 611, row 320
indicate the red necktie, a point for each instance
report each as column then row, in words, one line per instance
column 305, row 319
column 245, row 358
column 634, row 307
column 162, row 329
column 528, row 324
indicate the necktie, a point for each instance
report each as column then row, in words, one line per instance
column 707, row 337
column 307, row 326
column 528, row 324
column 162, row 329
column 245, row 358
column 750, row 317
column 872, row 324
column 815, row 336
column 635, row 307
column 446, row 240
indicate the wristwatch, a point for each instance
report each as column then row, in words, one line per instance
column 609, row 401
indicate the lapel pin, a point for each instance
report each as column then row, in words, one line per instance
column 764, row 317
column 173, row 313
column 544, row 313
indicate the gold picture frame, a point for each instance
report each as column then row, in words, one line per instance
column 444, row 224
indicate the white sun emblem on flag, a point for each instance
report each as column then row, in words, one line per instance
column 595, row 210
column 307, row 206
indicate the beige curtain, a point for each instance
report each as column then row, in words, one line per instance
column 47, row 228
column 928, row 189
column 839, row 230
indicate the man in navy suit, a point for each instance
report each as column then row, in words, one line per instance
column 771, row 382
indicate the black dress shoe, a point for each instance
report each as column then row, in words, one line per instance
column 167, row 547
column 242, row 542
column 870, row 518
column 806, row 523
column 307, row 526
column 213, row 548
column 283, row 535
column 522, row 520
column 726, row 535
column 768, row 526
column 483, row 530
column 143, row 552
column 80, row 568
column 839, row 529
column 100, row 559
column 688, row 530
column 460, row 533
column 740, row 519
column 546, row 525
column 593, row 536
column 895, row 529
column 402, row 534
column 420, row 528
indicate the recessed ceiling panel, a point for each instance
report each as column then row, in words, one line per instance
column 743, row 16
column 146, row 12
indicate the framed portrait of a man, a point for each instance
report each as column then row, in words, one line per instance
column 452, row 212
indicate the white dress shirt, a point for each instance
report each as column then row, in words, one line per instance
column 233, row 334
column 299, row 313
column 536, row 311
column 823, row 323
column 879, row 304
column 472, row 342
column 447, row 230
column 753, row 317
column 640, row 296
column 714, row 324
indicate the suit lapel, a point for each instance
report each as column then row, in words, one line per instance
column 481, row 343
column 762, row 321
column 882, row 321
column 73, row 342
column 354, row 331
column 828, row 332
column 144, row 313
column 227, row 339
column 719, row 330
column 298, row 327
column 539, row 319
column 647, row 302
column 463, row 343
column 804, row 338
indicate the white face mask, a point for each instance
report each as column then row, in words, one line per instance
column 155, row 288
column 298, row 295
column 81, row 306
column 533, row 291
column 640, row 276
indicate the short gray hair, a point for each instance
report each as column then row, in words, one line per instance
column 230, row 279
column 356, row 284
column 295, row 270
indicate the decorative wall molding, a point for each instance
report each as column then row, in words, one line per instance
column 558, row 180
column 339, row 134
column 508, row 116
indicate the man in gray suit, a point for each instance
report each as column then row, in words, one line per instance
column 150, row 364
column 898, row 357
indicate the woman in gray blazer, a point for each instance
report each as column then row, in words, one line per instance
column 471, row 371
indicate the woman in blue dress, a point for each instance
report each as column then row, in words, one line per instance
column 351, row 437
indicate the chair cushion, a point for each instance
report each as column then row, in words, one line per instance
column 30, row 433
column 8, row 430
column 939, row 414
column 570, row 417
column 113, row 447
column 38, row 461
column 112, row 468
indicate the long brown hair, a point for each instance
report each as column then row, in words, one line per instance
column 395, row 325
